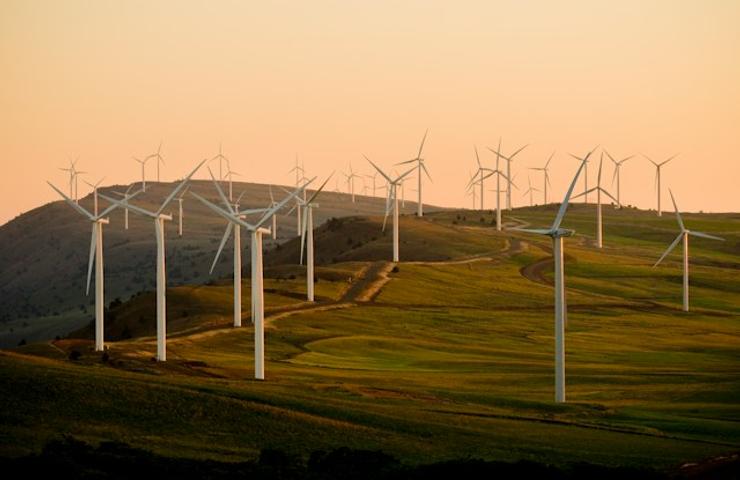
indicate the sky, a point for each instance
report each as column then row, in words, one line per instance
column 330, row 81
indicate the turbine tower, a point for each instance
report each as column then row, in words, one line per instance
column 419, row 166
column 300, row 175
column 126, row 196
column 258, row 312
column 159, row 218
column 180, row 198
column 96, row 252
column 557, row 234
column 230, row 173
column 221, row 158
column 657, row 177
column 617, row 167
column 510, row 180
column 546, row 180
column 599, row 190
column 684, row 235
column 391, row 203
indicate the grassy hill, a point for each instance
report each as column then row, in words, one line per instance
column 44, row 253
column 447, row 356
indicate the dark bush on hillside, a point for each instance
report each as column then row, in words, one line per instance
column 74, row 355
column 22, row 342
column 105, row 357
column 395, row 269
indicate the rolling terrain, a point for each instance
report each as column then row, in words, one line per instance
column 44, row 253
column 448, row 355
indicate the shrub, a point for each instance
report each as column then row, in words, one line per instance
column 74, row 355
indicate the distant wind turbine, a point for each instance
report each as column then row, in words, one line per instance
column 419, row 166
column 300, row 174
column 482, row 173
column 391, row 203
column 557, row 234
column 599, row 190
column 531, row 191
column 684, row 235
column 180, row 212
column 95, row 193
column 126, row 196
column 546, row 180
column 143, row 172
column 221, row 158
column 96, row 252
column 617, row 168
column 159, row 218
column 657, row 177
column 157, row 156
column 510, row 179
column 351, row 181
column 506, row 176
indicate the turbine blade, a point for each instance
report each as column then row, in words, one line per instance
column 539, row 231
column 221, row 193
column 378, row 169
column 705, row 235
column 72, row 203
column 124, row 203
column 223, row 213
column 564, row 205
column 304, row 230
column 423, row 166
column 282, row 203
column 678, row 215
column 671, row 247
column 316, row 193
column 422, row 143
column 227, row 234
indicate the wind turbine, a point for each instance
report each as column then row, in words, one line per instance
column 159, row 218
column 657, row 177
column 546, row 180
column 499, row 174
column 95, row 193
column 419, row 166
column 143, row 172
column 274, row 215
column 510, row 180
column 585, row 177
column 531, row 191
column 220, row 157
column 72, row 175
column 126, row 196
column 617, row 167
column 300, row 175
column 96, row 252
column 158, row 157
column 557, row 234
column 483, row 173
column 684, row 235
column 307, row 238
column 229, row 174
column 351, row 181
column 470, row 189
column 258, row 312
column 599, row 190
column 392, row 203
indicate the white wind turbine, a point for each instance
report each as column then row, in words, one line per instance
column 72, row 177
column 274, row 215
column 95, row 193
column 617, row 167
column 657, row 177
column 157, row 156
column 599, row 190
column 307, row 238
column 221, row 158
column 470, row 189
column 143, row 172
column 557, row 234
column 498, row 174
column 684, row 235
column 531, row 191
column 482, row 173
column 230, row 173
column 351, row 181
column 510, row 179
column 391, row 203
column 546, row 180
column 258, row 308
column 126, row 196
column 300, row 175
column 419, row 166
column 96, row 252
column 159, row 218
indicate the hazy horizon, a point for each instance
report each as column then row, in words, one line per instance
column 106, row 81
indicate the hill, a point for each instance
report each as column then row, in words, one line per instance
column 44, row 253
column 447, row 356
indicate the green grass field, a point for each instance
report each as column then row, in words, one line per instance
column 452, row 356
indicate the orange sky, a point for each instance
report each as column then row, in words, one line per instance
column 331, row 80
